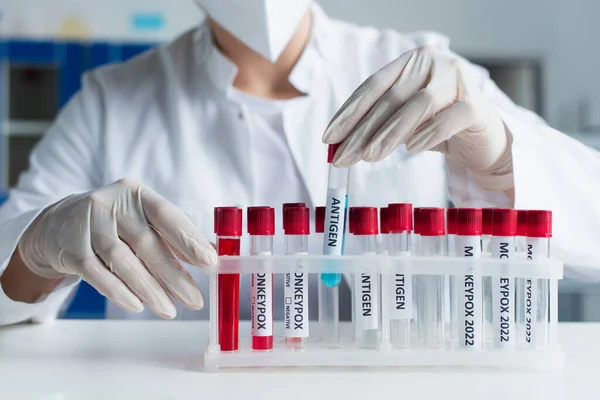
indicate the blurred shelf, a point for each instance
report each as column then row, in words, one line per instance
column 25, row 128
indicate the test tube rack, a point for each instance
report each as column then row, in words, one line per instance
column 346, row 354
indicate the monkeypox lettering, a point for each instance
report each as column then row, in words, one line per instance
column 470, row 313
column 262, row 318
column 503, row 295
column 296, row 312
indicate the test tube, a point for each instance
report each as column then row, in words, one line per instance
column 535, row 301
column 415, row 242
column 229, row 231
column 296, row 226
column 399, row 224
column 521, row 232
column 261, row 228
column 383, row 231
column 366, row 284
column 469, row 304
column 329, row 312
column 430, row 288
column 487, row 221
column 503, row 288
column 451, row 229
column 335, row 214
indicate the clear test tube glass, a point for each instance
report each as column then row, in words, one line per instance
column 487, row 216
column 366, row 284
column 487, row 221
column 296, row 226
column 229, row 231
column 502, row 332
column 415, row 238
column 521, row 232
column 261, row 228
column 400, row 302
column 450, row 312
column 319, row 227
column 382, row 242
column 536, row 296
column 430, row 288
column 451, row 229
column 469, row 287
column 329, row 312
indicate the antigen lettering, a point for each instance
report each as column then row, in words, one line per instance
column 367, row 306
column 334, row 223
column 400, row 292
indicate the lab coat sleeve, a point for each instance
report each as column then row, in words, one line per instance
column 63, row 163
column 552, row 171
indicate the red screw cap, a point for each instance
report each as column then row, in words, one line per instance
column 468, row 221
column 261, row 220
column 215, row 213
column 229, row 221
column 487, row 220
column 417, row 220
column 296, row 221
column 452, row 221
column 539, row 223
column 505, row 222
column 400, row 217
column 331, row 152
column 522, row 222
column 365, row 221
column 383, row 220
column 286, row 205
column 351, row 221
column 431, row 221
column 320, row 219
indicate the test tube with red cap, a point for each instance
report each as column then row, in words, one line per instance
column 487, row 221
column 383, row 231
column 503, row 247
column 430, row 288
column 534, row 330
column 261, row 228
column 229, row 232
column 319, row 225
column 401, row 311
column 335, row 214
column 415, row 243
column 296, row 226
column 366, row 285
column 521, row 239
column 451, row 229
column 469, row 287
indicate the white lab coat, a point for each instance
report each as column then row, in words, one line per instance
column 167, row 118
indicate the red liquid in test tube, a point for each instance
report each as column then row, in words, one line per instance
column 229, row 231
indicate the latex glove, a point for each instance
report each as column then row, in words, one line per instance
column 427, row 100
column 124, row 240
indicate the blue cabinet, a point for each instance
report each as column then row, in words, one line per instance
column 51, row 72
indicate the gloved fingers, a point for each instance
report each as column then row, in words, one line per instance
column 363, row 99
column 455, row 119
column 94, row 272
column 398, row 129
column 120, row 260
column 351, row 150
column 177, row 229
column 164, row 266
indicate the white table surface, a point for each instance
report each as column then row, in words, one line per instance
column 153, row 360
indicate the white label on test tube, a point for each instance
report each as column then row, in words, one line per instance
column 366, row 299
column 333, row 242
column 261, row 297
column 470, row 305
column 503, row 295
column 296, row 312
column 537, row 249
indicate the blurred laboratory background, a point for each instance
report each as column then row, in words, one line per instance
column 542, row 53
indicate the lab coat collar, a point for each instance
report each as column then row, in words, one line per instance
column 222, row 72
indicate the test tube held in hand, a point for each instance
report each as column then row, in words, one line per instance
column 469, row 286
column 401, row 301
column 229, row 232
column 503, row 247
column 430, row 288
column 366, row 284
column 261, row 228
column 296, row 226
column 535, row 301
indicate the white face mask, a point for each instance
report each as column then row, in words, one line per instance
column 266, row 26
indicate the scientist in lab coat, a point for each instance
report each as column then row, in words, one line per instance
column 236, row 112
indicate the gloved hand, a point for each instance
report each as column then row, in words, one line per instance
column 124, row 240
column 427, row 100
